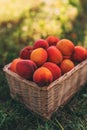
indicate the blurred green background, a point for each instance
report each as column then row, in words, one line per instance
column 21, row 23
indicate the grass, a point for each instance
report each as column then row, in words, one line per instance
column 16, row 32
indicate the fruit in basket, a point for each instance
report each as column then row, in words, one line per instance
column 66, row 65
column 41, row 43
column 25, row 52
column 54, row 55
column 39, row 56
column 66, row 47
column 52, row 40
column 13, row 64
column 79, row 54
column 47, row 60
column 26, row 68
column 42, row 76
column 55, row 70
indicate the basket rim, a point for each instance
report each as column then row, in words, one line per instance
column 52, row 84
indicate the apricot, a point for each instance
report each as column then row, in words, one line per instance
column 25, row 68
column 42, row 76
column 33, row 63
column 13, row 64
column 52, row 40
column 39, row 56
column 41, row 43
column 54, row 55
column 55, row 70
column 66, row 65
column 79, row 54
column 25, row 52
column 66, row 47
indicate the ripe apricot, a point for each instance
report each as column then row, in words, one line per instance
column 25, row 52
column 41, row 43
column 25, row 69
column 54, row 55
column 79, row 54
column 39, row 56
column 13, row 64
column 42, row 76
column 52, row 40
column 66, row 47
column 66, row 65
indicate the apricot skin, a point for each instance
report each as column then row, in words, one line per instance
column 39, row 56
column 25, row 52
column 42, row 76
column 79, row 54
column 66, row 65
column 25, row 69
column 66, row 47
column 52, row 40
column 54, row 55
column 41, row 43
column 13, row 64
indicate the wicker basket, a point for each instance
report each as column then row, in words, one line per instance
column 46, row 100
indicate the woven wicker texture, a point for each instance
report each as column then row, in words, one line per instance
column 46, row 100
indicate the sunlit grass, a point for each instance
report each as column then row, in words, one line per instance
column 12, row 9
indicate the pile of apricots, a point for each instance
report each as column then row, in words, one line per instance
column 47, row 60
